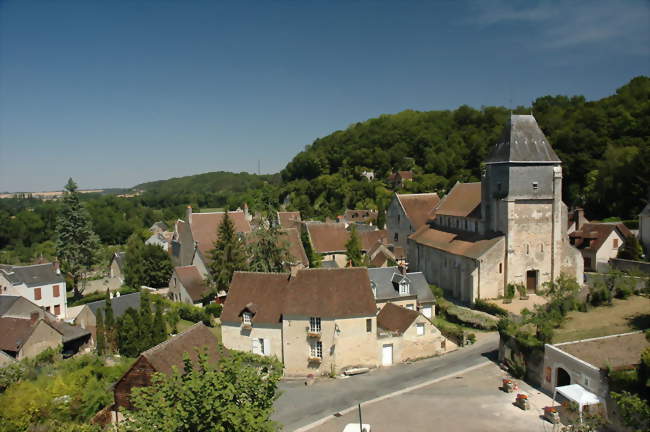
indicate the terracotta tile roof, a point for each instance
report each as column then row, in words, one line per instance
column 369, row 239
column 360, row 215
column 170, row 353
column 289, row 219
column 418, row 207
column 618, row 351
column 458, row 243
column 330, row 293
column 399, row 252
column 296, row 249
column 395, row 318
column 464, row 200
column 15, row 332
column 593, row 235
column 264, row 291
column 193, row 282
column 327, row 237
column 205, row 227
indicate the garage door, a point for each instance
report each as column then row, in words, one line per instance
column 387, row 355
column 427, row 312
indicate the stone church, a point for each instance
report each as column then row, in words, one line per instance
column 510, row 227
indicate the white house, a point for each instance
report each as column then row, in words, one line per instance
column 40, row 283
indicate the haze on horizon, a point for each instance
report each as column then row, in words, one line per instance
column 118, row 93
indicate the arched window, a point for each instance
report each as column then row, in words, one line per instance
column 500, row 268
column 527, row 249
column 541, row 247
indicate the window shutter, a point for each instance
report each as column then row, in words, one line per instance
column 37, row 293
column 55, row 291
column 256, row 346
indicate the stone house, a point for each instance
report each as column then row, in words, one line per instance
column 117, row 265
column 587, row 361
column 406, row 213
column 399, row 178
column 87, row 316
column 358, row 216
column 158, row 227
column 317, row 321
column 644, row 228
column 161, row 239
column 509, row 228
column 40, row 283
column 409, row 290
column 598, row 243
column 380, row 255
column 187, row 285
column 163, row 358
column 24, row 338
column 406, row 335
column 74, row 338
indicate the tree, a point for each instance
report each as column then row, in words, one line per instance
column 159, row 328
column 227, row 256
column 76, row 243
column 631, row 249
column 237, row 396
column 129, row 334
column 101, row 337
column 269, row 250
column 634, row 411
column 146, row 265
column 353, row 249
column 314, row 257
column 145, row 324
column 134, row 269
column 110, row 331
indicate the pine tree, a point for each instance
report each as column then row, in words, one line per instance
column 353, row 249
column 159, row 329
column 145, row 325
column 77, row 245
column 134, row 267
column 101, row 337
column 129, row 334
column 269, row 250
column 227, row 256
column 109, row 324
column 314, row 257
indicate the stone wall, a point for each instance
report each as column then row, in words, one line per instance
column 41, row 338
column 237, row 338
column 631, row 266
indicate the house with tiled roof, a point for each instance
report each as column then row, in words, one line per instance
column 187, row 285
column 288, row 219
column 86, row 318
column 22, row 338
column 509, row 228
column 164, row 358
column 409, row 290
column 406, row 213
column 397, row 179
column 42, row 284
column 316, row 321
column 598, row 243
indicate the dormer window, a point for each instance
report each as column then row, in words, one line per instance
column 535, row 185
column 373, row 285
column 403, row 288
column 246, row 318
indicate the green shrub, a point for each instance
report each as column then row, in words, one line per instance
column 194, row 314
column 96, row 296
column 449, row 330
column 471, row 338
column 510, row 291
column 214, row 309
column 437, row 291
column 490, row 308
column 472, row 319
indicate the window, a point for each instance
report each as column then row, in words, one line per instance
column 403, row 288
column 316, row 349
column 419, row 327
column 410, row 307
column 314, row 325
column 586, row 381
column 57, row 310
column 615, row 243
column 37, row 293
column 535, row 185
column 246, row 318
column 260, row 346
column 527, row 249
column 368, row 325
column 398, row 218
column 541, row 247
column 47, row 308
column 395, row 237
column 55, row 291
column 500, row 268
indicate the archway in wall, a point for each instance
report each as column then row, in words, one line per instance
column 562, row 377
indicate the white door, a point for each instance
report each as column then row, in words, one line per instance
column 426, row 311
column 387, row 355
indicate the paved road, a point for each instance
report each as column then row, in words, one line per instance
column 300, row 405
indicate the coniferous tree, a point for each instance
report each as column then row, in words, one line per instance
column 129, row 334
column 101, row 337
column 110, row 331
column 314, row 257
column 269, row 250
column 227, row 256
column 134, row 269
column 631, row 250
column 77, row 244
column 353, row 249
column 159, row 329
column 145, row 325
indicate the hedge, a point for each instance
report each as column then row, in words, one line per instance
column 467, row 317
column 490, row 308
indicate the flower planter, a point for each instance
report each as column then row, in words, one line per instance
column 552, row 415
column 522, row 402
column 313, row 334
column 508, row 386
column 315, row 359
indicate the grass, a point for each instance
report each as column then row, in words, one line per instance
column 211, row 210
column 623, row 316
column 184, row 325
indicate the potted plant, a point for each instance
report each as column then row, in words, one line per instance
column 507, row 385
column 551, row 414
column 523, row 294
column 522, row 401
column 509, row 294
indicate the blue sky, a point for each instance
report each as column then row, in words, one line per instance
column 114, row 93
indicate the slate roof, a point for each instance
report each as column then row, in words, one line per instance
column 118, row 304
column 395, row 319
column 360, row 215
column 382, row 279
column 6, row 302
column 523, row 141
column 461, row 243
column 162, row 226
column 204, row 227
column 164, row 356
column 329, row 264
column 645, row 211
column 418, row 207
column 32, row 275
column 618, row 351
column 330, row 293
column 289, row 219
column 463, row 200
column 68, row 331
column 595, row 234
column 183, row 245
column 264, row 292
column 193, row 282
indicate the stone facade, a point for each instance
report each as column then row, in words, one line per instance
column 411, row 345
column 236, row 337
column 42, row 337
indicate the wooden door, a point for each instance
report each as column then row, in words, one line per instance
column 531, row 281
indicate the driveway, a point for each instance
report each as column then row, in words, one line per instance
column 300, row 405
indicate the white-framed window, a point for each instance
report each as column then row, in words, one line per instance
column 410, row 307
column 316, row 349
column 403, row 288
column 314, row 324
column 419, row 328
column 261, row 346
column 246, row 318
column 586, row 381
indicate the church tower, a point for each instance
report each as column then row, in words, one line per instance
column 521, row 198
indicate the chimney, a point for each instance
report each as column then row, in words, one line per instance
column 578, row 215
column 188, row 217
column 33, row 317
column 57, row 267
column 247, row 215
column 402, row 269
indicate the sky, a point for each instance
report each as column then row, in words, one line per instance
column 115, row 93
